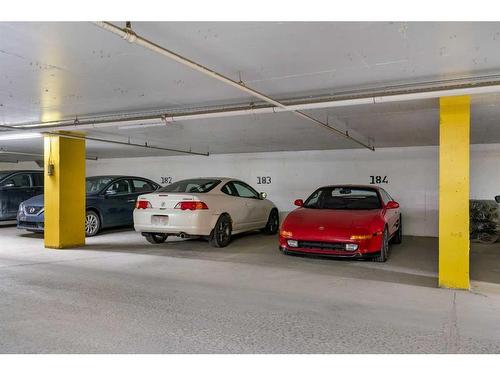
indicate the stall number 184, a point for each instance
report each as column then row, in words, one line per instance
column 378, row 180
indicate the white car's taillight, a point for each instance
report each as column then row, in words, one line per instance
column 142, row 204
column 191, row 205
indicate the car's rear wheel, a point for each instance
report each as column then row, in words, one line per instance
column 398, row 237
column 156, row 238
column 273, row 222
column 384, row 250
column 221, row 234
column 92, row 223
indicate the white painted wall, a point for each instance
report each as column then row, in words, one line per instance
column 412, row 174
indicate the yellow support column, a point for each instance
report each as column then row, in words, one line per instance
column 64, row 191
column 454, row 141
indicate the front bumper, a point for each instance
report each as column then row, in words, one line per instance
column 32, row 223
column 333, row 248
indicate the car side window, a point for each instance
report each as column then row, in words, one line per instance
column 119, row 187
column 244, row 190
column 385, row 197
column 21, row 180
column 142, row 186
column 229, row 189
column 37, row 179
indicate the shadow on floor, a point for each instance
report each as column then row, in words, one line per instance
column 413, row 264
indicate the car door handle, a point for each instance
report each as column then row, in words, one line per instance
column 131, row 200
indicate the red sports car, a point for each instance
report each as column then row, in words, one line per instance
column 343, row 221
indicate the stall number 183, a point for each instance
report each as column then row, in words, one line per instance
column 265, row 180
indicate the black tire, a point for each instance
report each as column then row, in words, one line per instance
column 156, row 238
column 398, row 237
column 273, row 223
column 221, row 234
column 487, row 238
column 384, row 251
column 283, row 251
column 92, row 223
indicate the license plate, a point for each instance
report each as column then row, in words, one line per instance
column 159, row 220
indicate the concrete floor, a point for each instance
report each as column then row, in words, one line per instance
column 122, row 295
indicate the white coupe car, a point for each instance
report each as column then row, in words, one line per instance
column 214, row 208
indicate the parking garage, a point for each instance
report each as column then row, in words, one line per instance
column 411, row 108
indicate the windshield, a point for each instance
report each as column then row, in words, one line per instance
column 344, row 198
column 199, row 185
column 4, row 174
column 96, row 184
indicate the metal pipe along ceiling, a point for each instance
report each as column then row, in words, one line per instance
column 16, row 153
column 132, row 37
column 474, row 86
column 73, row 136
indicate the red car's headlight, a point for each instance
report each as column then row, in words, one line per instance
column 286, row 234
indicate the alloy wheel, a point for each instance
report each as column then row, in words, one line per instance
column 91, row 224
column 223, row 231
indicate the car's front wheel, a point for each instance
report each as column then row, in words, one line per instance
column 92, row 223
column 273, row 222
column 398, row 237
column 156, row 238
column 384, row 249
column 221, row 234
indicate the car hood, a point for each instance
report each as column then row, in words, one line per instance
column 38, row 201
column 332, row 222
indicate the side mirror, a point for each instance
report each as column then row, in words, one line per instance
column 9, row 185
column 109, row 193
column 392, row 205
column 263, row 195
column 497, row 198
column 299, row 202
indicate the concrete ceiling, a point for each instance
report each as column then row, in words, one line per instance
column 54, row 71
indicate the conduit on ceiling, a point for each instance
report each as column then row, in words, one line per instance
column 73, row 136
column 30, row 154
column 420, row 91
column 129, row 35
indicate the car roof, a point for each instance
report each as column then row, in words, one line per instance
column 119, row 176
column 223, row 179
column 371, row 187
column 22, row 171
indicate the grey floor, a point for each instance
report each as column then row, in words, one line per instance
column 122, row 295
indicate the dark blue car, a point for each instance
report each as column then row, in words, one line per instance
column 110, row 203
column 16, row 187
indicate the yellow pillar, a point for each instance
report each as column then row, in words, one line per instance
column 454, row 141
column 64, row 191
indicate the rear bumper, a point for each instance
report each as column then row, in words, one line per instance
column 192, row 223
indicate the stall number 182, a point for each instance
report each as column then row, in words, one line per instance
column 378, row 180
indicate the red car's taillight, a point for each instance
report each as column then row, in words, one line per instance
column 191, row 205
column 142, row 205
